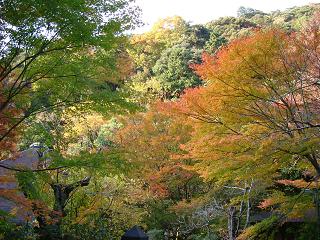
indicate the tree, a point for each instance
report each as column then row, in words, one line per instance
column 8, row 145
column 197, row 37
column 147, row 48
column 258, row 112
column 215, row 42
column 54, row 58
column 150, row 139
column 49, row 54
column 231, row 27
column 250, row 78
column 173, row 72
column 248, row 12
column 115, row 204
column 170, row 31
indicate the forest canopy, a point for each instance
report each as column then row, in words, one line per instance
column 207, row 131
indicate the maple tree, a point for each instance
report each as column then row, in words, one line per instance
column 53, row 58
column 256, row 88
column 151, row 138
column 8, row 145
column 258, row 112
column 256, row 116
column 45, row 51
column 140, row 130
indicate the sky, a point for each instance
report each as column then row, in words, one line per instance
column 202, row 11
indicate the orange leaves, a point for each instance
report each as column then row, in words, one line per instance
column 170, row 178
column 18, row 205
column 266, row 203
column 8, row 117
column 275, row 199
column 15, row 196
column 300, row 183
column 159, row 190
column 206, row 69
column 151, row 138
column 252, row 101
column 238, row 67
column 154, row 140
column 41, row 209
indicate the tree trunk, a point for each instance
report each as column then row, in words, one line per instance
column 231, row 222
column 317, row 202
column 52, row 230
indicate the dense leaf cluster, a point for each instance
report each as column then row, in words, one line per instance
column 191, row 131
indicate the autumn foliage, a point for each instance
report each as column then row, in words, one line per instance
column 258, row 113
column 191, row 131
column 8, row 136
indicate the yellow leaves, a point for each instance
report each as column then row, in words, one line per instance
column 146, row 48
column 259, row 230
column 86, row 123
column 306, row 145
column 185, row 207
column 168, row 30
column 116, row 199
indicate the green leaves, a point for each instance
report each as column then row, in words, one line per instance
column 52, row 54
column 74, row 21
column 173, row 70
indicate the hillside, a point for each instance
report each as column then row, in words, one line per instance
column 185, row 132
column 162, row 57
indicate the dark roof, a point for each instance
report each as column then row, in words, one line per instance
column 135, row 233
